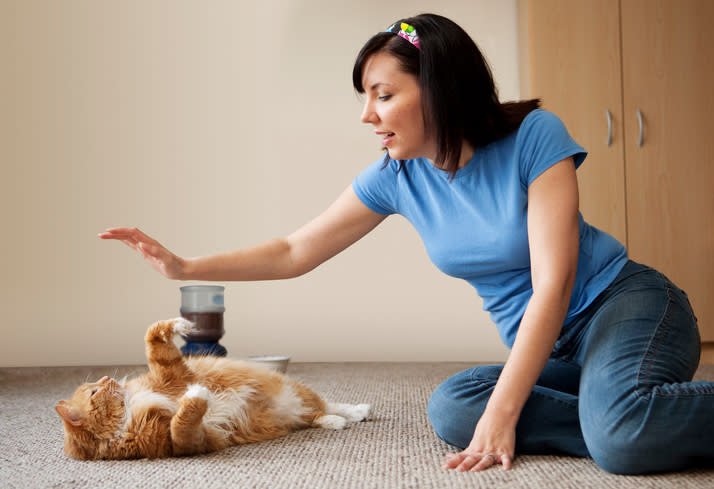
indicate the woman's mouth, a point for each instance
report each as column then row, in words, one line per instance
column 388, row 136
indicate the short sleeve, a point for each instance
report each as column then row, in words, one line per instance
column 543, row 140
column 376, row 187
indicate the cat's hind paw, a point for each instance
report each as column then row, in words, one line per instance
column 331, row 422
column 193, row 405
column 351, row 412
column 183, row 326
column 199, row 391
column 359, row 412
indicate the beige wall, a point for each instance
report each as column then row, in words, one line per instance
column 210, row 125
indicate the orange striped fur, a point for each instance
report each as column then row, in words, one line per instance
column 190, row 405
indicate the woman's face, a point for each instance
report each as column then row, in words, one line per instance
column 393, row 107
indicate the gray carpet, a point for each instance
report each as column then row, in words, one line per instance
column 395, row 449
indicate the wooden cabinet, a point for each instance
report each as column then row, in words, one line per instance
column 634, row 82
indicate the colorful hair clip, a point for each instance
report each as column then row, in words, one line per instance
column 405, row 31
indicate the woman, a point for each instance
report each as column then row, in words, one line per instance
column 602, row 348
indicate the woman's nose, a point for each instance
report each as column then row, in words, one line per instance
column 368, row 114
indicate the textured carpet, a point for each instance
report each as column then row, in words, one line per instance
column 394, row 449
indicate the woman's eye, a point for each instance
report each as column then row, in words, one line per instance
column 384, row 98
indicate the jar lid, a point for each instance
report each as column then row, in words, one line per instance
column 202, row 298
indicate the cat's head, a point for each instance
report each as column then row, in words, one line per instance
column 92, row 417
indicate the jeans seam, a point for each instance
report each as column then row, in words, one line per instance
column 475, row 377
column 569, row 404
column 653, row 347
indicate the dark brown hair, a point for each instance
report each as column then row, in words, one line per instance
column 459, row 97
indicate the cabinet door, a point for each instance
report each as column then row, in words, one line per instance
column 668, row 75
column 575, row 70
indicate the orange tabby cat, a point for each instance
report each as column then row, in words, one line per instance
column 189, row 405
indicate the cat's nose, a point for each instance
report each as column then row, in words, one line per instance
column 103, row 379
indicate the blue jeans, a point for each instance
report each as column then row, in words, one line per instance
column 617, row 388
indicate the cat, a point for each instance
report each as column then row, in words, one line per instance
column 190, row 405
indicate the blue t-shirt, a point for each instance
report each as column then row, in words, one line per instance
column 474, row 226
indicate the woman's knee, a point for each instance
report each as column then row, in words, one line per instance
column 622, row 446
column 456, row 405
column 611, row 454
column 618, row 456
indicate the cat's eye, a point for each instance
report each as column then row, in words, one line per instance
column 94, row 391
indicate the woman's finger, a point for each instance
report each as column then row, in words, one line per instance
column 132, row 237
column 462, row 462
column 467, row 463
column 453, row 460
column 125, row 233
column 113, row 233
column 127, row 240
column 486, row 461
column 151, row 250
column 139, row 235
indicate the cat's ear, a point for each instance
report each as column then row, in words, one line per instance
column 68, row 414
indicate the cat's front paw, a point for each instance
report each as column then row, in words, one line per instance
column 160, row 332
column 183, row 326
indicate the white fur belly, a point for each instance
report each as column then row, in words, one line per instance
column 149, row 399
column 138, row 401
column 288, row 407
column 228, row 410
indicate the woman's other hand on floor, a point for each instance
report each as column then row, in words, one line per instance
column 493, row 444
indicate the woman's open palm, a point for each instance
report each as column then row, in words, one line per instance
column 161, row 259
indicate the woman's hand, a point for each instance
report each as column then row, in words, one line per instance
column 161, row 259
column 493, row 443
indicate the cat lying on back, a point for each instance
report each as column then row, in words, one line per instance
column 189, row 405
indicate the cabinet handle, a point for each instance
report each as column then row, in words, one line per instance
column 609, row 127
column 639, row 120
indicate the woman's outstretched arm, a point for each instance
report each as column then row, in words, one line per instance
column 344, row 222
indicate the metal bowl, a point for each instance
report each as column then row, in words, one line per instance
column 278, row 363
